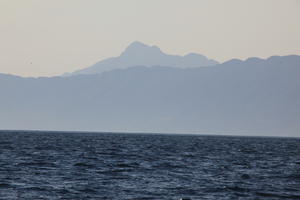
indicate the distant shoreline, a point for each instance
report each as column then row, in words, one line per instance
column 146, row 133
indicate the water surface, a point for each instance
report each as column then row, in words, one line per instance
column 60, row 165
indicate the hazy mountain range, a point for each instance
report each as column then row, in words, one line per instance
column 252, row 97
column 139, row 54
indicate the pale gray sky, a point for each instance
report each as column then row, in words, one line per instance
column 50, row 37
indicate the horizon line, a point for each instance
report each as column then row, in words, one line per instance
column 144, row 133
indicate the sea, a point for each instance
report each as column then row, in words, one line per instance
column 121, row 166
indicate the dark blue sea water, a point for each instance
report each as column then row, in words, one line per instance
column 57, row 165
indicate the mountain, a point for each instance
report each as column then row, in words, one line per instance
column 251, row 97
column 139, row 54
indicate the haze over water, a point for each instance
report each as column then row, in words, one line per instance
column 101, row 69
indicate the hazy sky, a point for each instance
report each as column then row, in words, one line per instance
column 50, row 37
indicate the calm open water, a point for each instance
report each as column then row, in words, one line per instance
column 57, row 165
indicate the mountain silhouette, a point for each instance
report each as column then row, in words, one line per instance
column 251, row 97
column 139, row 54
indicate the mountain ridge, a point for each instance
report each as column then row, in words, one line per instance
column 257, row 96
column 140, row 54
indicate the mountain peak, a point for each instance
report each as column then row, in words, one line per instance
column 137, row 48
column 140, row 54
column 137, row 44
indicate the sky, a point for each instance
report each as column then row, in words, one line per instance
column 51, row 37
